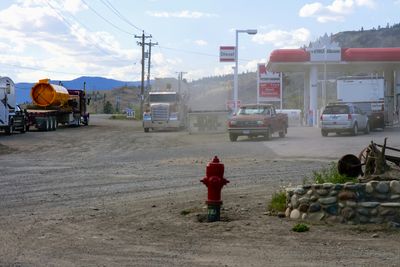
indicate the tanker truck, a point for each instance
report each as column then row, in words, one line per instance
column 54, row 104
column 12, row 117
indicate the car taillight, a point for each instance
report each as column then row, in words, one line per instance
column 349, row 117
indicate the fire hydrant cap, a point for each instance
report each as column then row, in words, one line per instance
column 215, row 160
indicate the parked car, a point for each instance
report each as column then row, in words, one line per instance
column 254, row 120
column 339, row 118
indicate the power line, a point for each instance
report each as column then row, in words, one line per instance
column 63, row 18
column 106, row 20
column 189, row 52
column 116, row 12
column 197, row 53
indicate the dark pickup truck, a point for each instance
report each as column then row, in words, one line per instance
column 254, row 120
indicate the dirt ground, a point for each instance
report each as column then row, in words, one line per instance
column 111, row 195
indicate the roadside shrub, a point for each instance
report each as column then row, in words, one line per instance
column 278, row 202
column 301, row 227
column 329, row 174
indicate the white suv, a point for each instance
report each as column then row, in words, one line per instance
column 339, row 118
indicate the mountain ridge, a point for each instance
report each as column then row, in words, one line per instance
column 93, row 83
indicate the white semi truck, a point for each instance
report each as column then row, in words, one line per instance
column 164, row 110
column 367, row 93
column 12, row 118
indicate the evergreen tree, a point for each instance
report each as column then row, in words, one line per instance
column 108, row 108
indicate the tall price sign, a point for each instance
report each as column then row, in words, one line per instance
column 269, row 85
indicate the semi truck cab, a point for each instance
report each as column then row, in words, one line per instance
column 12, row 117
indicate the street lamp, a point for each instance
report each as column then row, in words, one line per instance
column 235, row 78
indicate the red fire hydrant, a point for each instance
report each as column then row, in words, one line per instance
column 214, row 181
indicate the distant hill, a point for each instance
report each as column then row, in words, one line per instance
column 92, row 84
column 375, row 37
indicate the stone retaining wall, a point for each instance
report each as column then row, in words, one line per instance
column 352, row 203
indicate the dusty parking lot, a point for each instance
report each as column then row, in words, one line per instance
column 111, row 195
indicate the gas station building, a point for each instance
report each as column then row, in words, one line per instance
column 325, row 57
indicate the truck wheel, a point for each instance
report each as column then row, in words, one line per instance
column 233, row 137
column 55, row 123
column 10, row 129
column 51, row 124
column 268, row 135
column 23, row 129
column 146, row 130
column 354, row 132
column 48, row 124
column 324, row 133
column 367, row 129
column 86, row 121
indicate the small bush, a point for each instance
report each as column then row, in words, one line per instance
column 329, row 174
column 301, row 227
column 278, row 202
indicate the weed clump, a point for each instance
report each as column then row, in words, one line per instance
column 329, row 174
column 278, row 202
column 301, row 227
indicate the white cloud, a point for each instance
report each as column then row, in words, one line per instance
column 336, row 11
column 74, row 6
column 201, row 42
column 284, row 39
column 36, row 42
column 367, row 3
column 186, row 14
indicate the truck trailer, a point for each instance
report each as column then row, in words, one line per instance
column 367, row 93
column 54, row 104
column 12, row 117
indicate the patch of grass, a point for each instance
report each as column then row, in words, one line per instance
column 278, row 202
column 301, row 227
column 329, row 174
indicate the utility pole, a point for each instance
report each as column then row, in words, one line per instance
column 142, row 44
column 150, row 44
column 180, row 76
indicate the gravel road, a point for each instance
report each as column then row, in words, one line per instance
column 111, row 195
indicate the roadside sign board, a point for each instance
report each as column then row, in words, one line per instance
column 227, row 54
column 269, row 84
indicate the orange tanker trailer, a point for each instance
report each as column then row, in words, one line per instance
column 54, row 104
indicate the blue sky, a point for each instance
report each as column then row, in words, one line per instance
column 67, row 39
